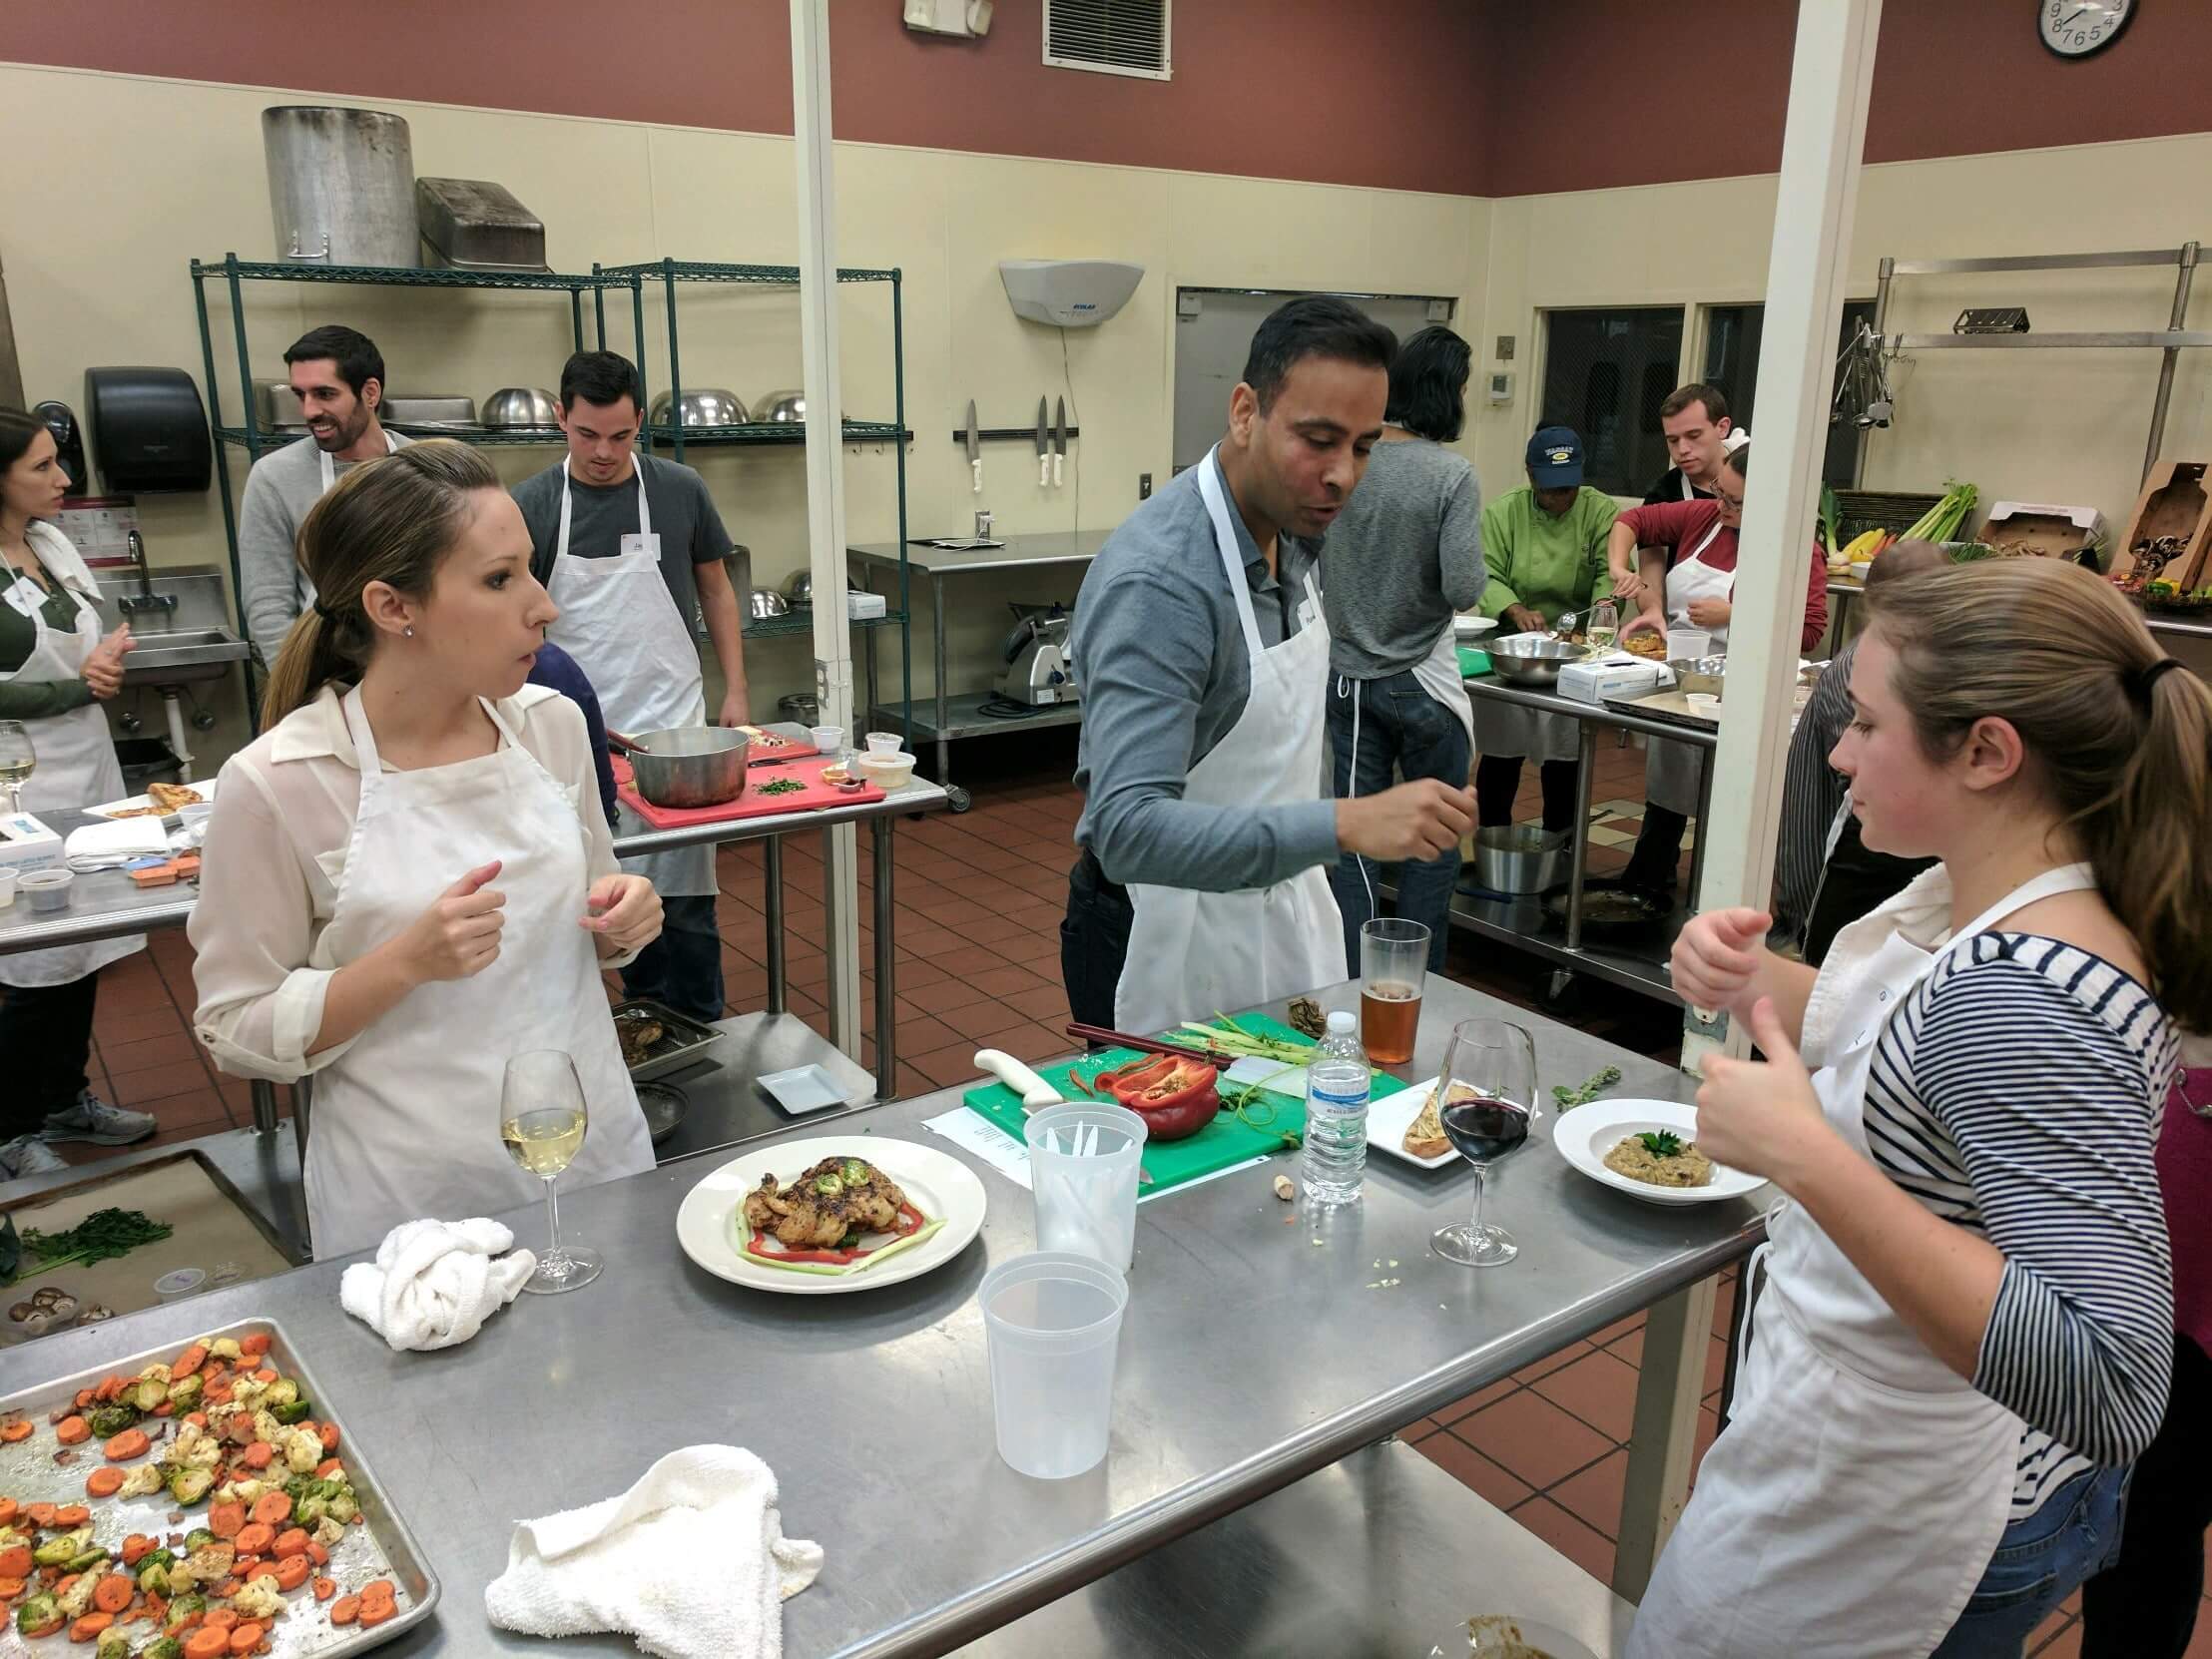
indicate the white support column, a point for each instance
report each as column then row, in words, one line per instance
column 1830, row 76
column 818, row 306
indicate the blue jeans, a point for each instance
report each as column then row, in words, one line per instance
column 682, row 969
column 2039, row 1562
column 1403, row 732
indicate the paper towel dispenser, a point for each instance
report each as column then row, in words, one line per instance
column 1068, row 294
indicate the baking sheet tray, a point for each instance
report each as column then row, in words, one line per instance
column 684, row 1044
column 380, row 1547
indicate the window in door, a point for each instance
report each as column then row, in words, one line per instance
column 1732, row 364
column 1605, row 374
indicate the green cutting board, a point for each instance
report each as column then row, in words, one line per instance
column 1226, row 1141
column 1473, row 664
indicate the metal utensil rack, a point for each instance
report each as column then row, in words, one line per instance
column 677, row 436
column 2169, row 341
column 256, row 440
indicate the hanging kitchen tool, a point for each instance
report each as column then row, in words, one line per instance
column 1044, row 449
column 1059, row 439
column 1863, row 383
column 974, row 448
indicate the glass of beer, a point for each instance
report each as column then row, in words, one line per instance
column 1393, row 963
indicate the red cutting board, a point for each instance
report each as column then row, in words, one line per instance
column 752, row 803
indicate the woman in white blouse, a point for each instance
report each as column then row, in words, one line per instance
column 409, row 877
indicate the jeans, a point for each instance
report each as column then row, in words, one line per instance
column 2037, row 1564
column 1094, row 942
column 682, row 969
column 2144, row 1607
column 1403, row 732
column 45, row 1045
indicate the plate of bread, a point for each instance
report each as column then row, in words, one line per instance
column 159, row 800
column 1405, row 1125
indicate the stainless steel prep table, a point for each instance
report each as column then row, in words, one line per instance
column 106, row 905
column 962, row 716
column 1521, row 921
column 1251, row 1357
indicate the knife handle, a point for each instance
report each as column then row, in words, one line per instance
column 976, row 467
column 1044, row 470
column 1056, row 457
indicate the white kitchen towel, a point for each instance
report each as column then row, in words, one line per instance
column 115, row 843
column 692, row 1561
column 435, row 1283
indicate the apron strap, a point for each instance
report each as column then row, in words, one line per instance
column 1224, row 542
column 645, row 507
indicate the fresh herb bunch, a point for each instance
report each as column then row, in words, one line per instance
column 100, row 1237
column 1662, row 1144
column 1567, row 1099
column 782, row 785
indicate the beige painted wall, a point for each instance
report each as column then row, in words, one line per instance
column 157, row 171
column 2059, row 426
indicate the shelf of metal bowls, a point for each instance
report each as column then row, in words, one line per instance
column 1531, row 659
column 1520, row 859
column 700, row 407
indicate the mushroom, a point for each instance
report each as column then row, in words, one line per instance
column 20, row 1311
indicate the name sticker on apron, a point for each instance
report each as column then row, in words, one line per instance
column 648, row 542
column 26, row 596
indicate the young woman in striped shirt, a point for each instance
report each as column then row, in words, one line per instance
column 1960, row 1336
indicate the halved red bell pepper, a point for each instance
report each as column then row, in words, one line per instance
column 1176, row 1098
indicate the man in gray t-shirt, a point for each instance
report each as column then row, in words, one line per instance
column 338, row 376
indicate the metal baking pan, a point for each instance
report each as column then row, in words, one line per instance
column 380, row 1547
column 684, row 1044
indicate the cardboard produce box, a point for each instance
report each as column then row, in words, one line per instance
column 2174, row 510
column 2043, row 529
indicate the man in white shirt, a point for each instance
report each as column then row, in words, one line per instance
column 338, row 376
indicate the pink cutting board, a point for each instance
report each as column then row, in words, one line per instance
column 752, row 803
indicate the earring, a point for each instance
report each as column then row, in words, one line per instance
column 407, row 633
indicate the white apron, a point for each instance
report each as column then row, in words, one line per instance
column 303, row 583
column 1862, row 1486
column 620, row 622
column 76, row 756
column 407, row 1120
column 1670, row 767
column 1194, row 953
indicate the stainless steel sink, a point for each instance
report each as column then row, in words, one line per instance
column 190, row 640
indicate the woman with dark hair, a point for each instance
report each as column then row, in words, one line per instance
column 55, row 670
column 410, row 876
column 1402, row 556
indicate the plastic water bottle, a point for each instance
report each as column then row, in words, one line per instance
column 1336, row 1160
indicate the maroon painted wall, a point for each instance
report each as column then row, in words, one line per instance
column 1661, row 94
column 1473, row 97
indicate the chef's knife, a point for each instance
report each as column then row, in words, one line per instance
column 975, row 447
column 1036, row 1093
column 1044, row 449
column 1059, row 439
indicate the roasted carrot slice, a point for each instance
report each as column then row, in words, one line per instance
column 317, row 1554
column 20, row 1429
column 136, row 1549
column 8, row 1511
column 346, row 1609
column 291, row 1542
column 324, row 1588
column 328, row 1434
column 274, row 1509
column 327, row 1467
column 131, row 1442
column 72, row 1514
column 109, row 1388
column 16, row 1562
column 188, row 1361
column 246, row 1638
column 227, row 1520
column 39, row 1514
column 255, row 1346
column 293, row 1573
column 114, row 1594
column 221, row 1618
column 73, row 1432
column 207, row 1644
column 90, row 1626
column 103, row 1482
column 254, row 1538
column 258, row 1455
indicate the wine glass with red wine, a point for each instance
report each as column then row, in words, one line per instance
column 1486, row 1096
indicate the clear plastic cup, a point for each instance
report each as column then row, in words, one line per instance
column 1687, row 645
column 830, row 739
column 1083, row 1163
column 1053, row 1323
column 884, row 743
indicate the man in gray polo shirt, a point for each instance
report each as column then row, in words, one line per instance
column 1200, row 644
column 338, row 376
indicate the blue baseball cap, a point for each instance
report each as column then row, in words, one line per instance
column 1554, row 458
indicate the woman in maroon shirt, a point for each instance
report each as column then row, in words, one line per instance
column 1694, row 590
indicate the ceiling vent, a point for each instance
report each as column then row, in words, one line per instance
column 1110, row 37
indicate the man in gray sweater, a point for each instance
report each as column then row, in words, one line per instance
column 338, row 376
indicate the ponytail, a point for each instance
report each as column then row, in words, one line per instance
column 390, row 520
column 2119, row 735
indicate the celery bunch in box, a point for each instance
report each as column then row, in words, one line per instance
column 1947, row 517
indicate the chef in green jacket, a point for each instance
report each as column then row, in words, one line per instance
column 1544, row 544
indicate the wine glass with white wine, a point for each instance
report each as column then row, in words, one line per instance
column 542, row 1119
column 17, row 761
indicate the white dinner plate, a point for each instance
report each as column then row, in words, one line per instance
column 1389, row 1118
column 1472, row 627
column 1587, row 1133
column 109, row 809
column 1481, row 1637
column 935, row 1183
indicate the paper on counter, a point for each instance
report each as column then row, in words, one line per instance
column 972, row 1132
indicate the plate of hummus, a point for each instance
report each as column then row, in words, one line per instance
column 1648, row 1149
